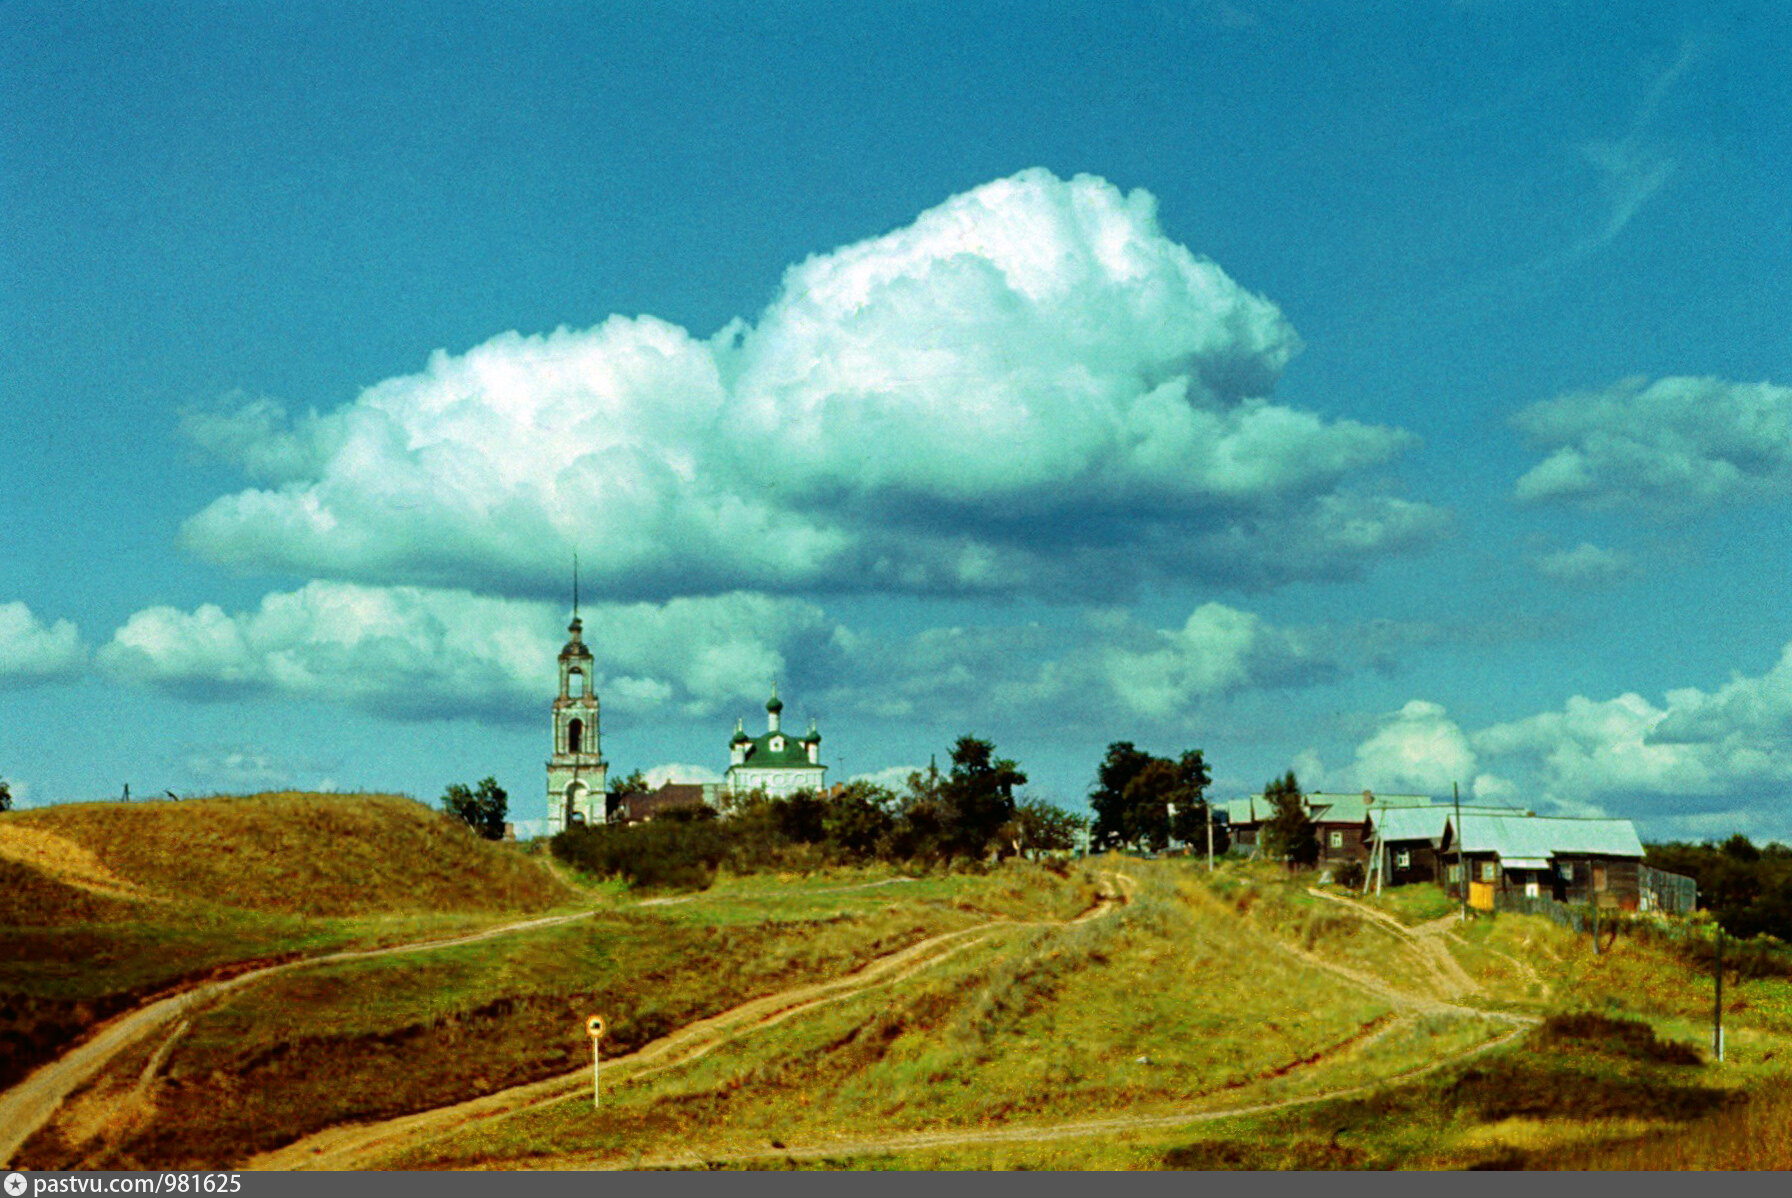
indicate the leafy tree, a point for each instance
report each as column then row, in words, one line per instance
column 922, row 820
column 858, row 818
column 5, row 795
column 621, row 788
column 800, row 817
column 1110, row 800
column 1040, row 826
column 979, row 795
column 482, row 809
column 1134, row 792
column 1289, row 834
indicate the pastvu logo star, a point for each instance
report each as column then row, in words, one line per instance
column 15, row 1184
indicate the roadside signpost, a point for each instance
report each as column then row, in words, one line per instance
column 594, row 1027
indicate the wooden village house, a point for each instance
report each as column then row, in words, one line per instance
column 1579, row 862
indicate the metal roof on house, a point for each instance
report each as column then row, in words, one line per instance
column 1535, row 837
column 1355, row 808
column 1424, row 823
column 1325, row 808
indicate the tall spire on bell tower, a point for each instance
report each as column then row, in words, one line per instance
column 577, row 770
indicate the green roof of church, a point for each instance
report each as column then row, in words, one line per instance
column 760, row 754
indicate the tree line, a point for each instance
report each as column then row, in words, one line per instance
column 972, row 811
column 969, row 812
column 1748, row 887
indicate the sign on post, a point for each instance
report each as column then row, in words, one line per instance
column 594, row 1027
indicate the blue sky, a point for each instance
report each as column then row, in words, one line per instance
column 1398, row 393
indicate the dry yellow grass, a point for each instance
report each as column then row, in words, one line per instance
column 308, row 854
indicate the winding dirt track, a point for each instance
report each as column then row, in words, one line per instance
column 1042, row 1133
column 1426, row 943
column 30, row 1104
column 360, row 1145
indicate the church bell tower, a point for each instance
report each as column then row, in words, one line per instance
column 577, row 770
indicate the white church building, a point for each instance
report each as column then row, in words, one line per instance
column 776, row 763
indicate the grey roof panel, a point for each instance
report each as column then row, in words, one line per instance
column 1532, row 837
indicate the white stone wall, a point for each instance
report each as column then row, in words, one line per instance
column 779, row 782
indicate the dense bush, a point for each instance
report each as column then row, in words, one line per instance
column 1748, row 887
column 1615, row 1037
column 676, row 853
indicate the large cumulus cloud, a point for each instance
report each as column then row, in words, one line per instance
column 417, row 653
column 1669, row 447
column 1029, row 388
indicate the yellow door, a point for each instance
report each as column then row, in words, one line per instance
column 1480, row 895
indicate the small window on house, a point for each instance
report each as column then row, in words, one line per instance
column 1337, row 840
column 1403, row 859
column 1490, row 871
column 1531, row 889
column 1455, row 873
column 1565, row 871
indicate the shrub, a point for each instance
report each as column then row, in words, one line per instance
column 1617, row 1037
column 675, row 854
column 483, row 809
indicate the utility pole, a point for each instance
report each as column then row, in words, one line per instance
column 1461, row 862
column 1717, row 1007
column 1593, row 906
column 1209, row 807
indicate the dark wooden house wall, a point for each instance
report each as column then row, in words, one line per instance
column 1422, row 862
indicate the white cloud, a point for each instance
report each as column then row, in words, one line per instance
column 1111, row 664
column 237, row 768
column 420, row 653
column 1632, row 168
column 893, row 777
column 659, row 775
column 1670, row 447
column 1218, row 650
column 32, row 651
column 1416, row 750
column 1030, row 387
column 1586, row 565
column 1689, row 764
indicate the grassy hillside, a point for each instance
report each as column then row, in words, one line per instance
column 374, row 1038
column 105, row 904
column 1244, row 1019
column 302, row 854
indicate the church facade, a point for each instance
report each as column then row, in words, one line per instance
column 776, row 763
column 577, row 771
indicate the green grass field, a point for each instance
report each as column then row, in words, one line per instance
column 1004, row 1020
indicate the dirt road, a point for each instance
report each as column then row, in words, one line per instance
column 1025, row 1134
column 1425, row 942
column 30, row 1104
column 362, row 1145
